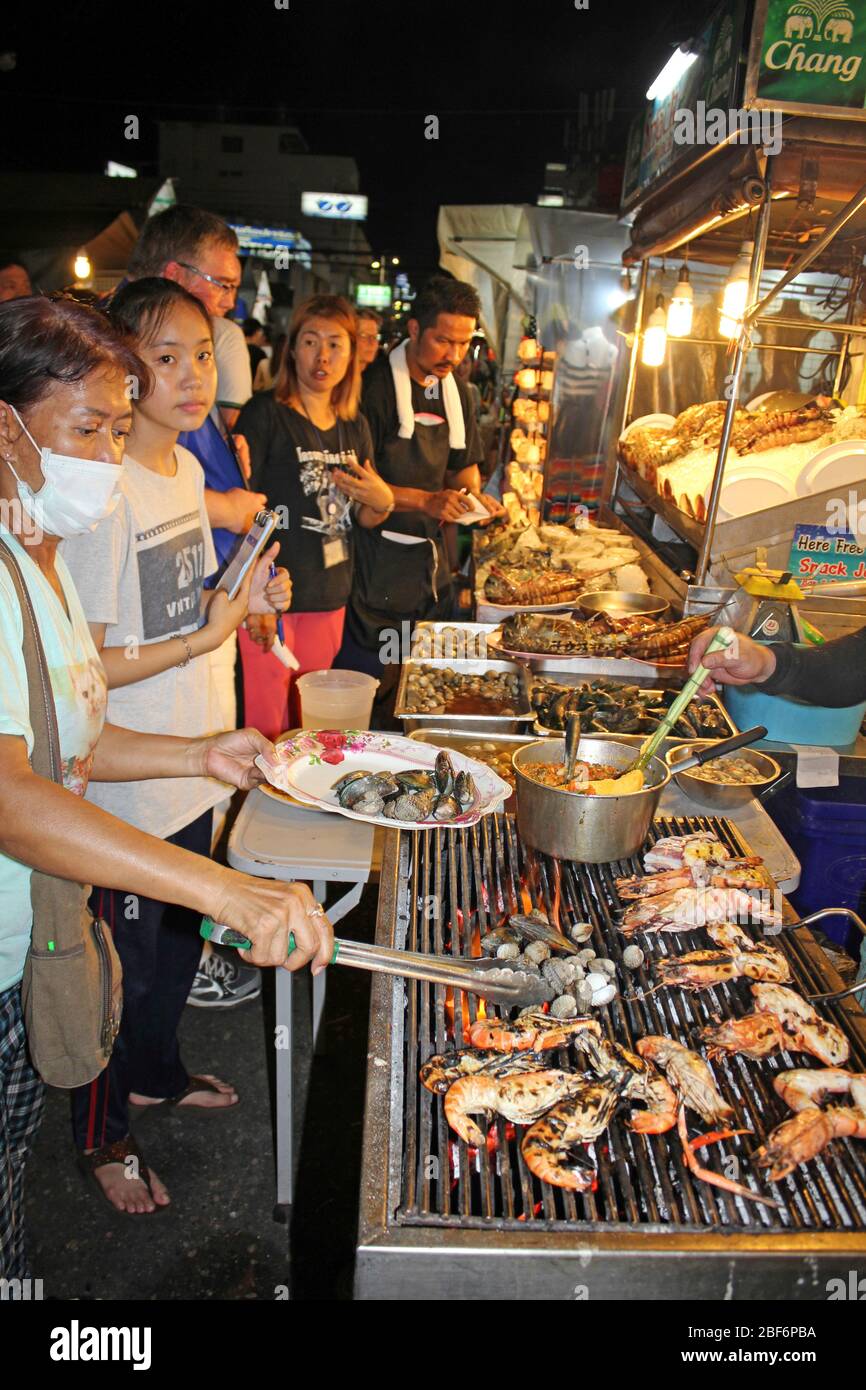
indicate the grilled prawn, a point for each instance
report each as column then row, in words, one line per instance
column 440, row 1072
column 677, row 851
column 636, row 1079
column 811, row 1129
column 532, row 1030
column 553, row 1147
column 754, row 1036
column 687, row 908
column 689, row 1075
column 806, row 1030
column 756, row 960
column 520, row 1099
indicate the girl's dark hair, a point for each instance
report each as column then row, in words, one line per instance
column 44, row 341
column 139, row 309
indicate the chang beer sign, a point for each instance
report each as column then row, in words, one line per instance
column 813, row 53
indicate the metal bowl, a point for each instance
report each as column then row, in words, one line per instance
column 717, row 794
column 619, row 604
column 586, row 829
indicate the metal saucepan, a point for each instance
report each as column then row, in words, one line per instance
column 586, row 829
column 722, row 796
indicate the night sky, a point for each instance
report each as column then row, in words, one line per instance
column 359, row 78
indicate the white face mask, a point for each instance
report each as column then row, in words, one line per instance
column 77, row 493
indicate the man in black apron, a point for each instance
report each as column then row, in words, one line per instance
column 427, row 448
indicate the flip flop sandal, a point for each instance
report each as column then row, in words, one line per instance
column 195, row 1083
column 118, row 1152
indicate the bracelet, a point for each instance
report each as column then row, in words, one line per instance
column 188, row 658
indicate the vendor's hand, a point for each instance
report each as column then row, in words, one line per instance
column 266, row 911
column 745, row 663
column 230, row 757
column 262, row 628
column 491, row 506
column 448, row 505
column 270, row 594
column 365, row 487
column 244, row 507
column 242, row 449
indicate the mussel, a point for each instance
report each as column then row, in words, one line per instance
column 355, row 787
column 464, row 788
column 417, row 779
column 444, row 773
column 447, row 808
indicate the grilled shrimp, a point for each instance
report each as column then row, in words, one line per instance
column 651, row 885
column 440, row 1072
column 802, row 1137
column 553, row 1147
column 756, row 960
column 755, row 1036
column 674, row 851
column 698, row 970
column 636, row 1079
column 687, row 908
column 806, row 1030
column 520, row 1099
column 535, row 1029
column 689, row 1075
column 804, row 1087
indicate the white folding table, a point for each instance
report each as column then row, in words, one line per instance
column 281, row 840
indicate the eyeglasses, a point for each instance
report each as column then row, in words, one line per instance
column 212, row 280
column 368, row 337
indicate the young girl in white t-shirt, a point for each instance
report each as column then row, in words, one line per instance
column 140, row 576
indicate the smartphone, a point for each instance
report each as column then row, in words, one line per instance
column 248, row 552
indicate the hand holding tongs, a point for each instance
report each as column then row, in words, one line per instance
column 497, row 980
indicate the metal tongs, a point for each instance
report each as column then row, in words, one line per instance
column 852, row 917
column 500, row 981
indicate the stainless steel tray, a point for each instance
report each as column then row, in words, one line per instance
column 474, row 634
column 468, row 723
column 570, row 678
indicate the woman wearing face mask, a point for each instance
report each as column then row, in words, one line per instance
column 311, row 453
column 140, row 579
column 64, row 417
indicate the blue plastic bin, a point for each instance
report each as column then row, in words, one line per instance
column 826, row 828
column 792, row 721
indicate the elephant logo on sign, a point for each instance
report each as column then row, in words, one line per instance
column 839, row 30
column 799, row 26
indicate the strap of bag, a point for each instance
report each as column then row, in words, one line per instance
column 45, row 760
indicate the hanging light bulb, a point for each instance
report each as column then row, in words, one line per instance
column 547, row 381
column 531, row 453
column 655, row 338
column 681, row 307
column 529, row 349
column 82, row 267
column 527, row 379
column 736, row 292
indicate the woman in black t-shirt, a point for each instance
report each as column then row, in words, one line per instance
column 311, row 454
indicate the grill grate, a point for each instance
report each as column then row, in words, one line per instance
column 460, row 884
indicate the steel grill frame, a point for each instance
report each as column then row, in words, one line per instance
column 647, row 1204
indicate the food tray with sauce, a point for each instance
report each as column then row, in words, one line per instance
column 469, row 716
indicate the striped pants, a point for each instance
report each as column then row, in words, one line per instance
column 22, row 1098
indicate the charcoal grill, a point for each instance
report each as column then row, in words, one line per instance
column 441, row 1220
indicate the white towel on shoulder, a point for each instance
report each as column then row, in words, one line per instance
column 403, row 392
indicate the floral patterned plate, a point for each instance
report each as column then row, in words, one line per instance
column 307, row 765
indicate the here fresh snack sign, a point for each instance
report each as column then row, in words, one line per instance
column 823, row 555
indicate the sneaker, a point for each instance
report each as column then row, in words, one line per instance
column 220, row 983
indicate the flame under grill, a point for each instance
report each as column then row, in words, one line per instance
column 458, row 884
